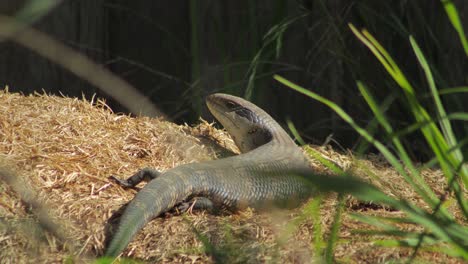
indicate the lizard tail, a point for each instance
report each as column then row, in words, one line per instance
column 158, row 196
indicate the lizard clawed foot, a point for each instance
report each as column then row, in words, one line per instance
column 123, row 183
column 146, row 174
column 185, row 207
column 198, row 203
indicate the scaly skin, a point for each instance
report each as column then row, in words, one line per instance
column 266, row 174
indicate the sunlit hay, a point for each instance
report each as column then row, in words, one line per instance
column 66, row 148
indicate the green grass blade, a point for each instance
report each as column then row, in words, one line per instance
column 460, row 116
column 425, row 245
column 327, row 163
column 387, row 65
column 403, row 243
column 434, row 137
column 315, row 207
column 313, row 153
column 387, row 229
column 441, row 225
column 209, row 248
column 385, row 151
column 387, row 219
column 311, row 209
column 335, row 230
column 454, row 18
column 444, row 123
column 412, row 239
column 457, row 159
column 373, row 124
column 317, row 228
column 444, row 229
column 385, row 59
column 461, row 89
column 415, row 179
column 374, row 107
column 447, row 91
column 295, row 133
column 372, row 220
column 431, row 163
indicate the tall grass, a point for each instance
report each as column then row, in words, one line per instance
column 440, row 226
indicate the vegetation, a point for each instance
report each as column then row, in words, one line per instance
column 440, row 227
column 404, row 111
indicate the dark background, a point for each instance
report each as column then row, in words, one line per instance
column 176, row 53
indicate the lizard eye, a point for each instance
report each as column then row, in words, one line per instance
column 231, row 104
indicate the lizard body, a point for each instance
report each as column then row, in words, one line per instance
column 266, row 173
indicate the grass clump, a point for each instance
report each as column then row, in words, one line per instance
column 437, row 229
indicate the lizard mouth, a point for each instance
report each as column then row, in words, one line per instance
column 213, row 102
column 218, row 110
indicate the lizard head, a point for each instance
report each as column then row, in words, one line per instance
column 248, row 125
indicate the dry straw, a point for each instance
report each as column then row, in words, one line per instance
column 62, row 150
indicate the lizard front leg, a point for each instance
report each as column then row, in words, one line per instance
column 146, row 174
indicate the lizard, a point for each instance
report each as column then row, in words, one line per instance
column 266, row 173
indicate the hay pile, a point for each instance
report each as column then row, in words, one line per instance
column 66, row 148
